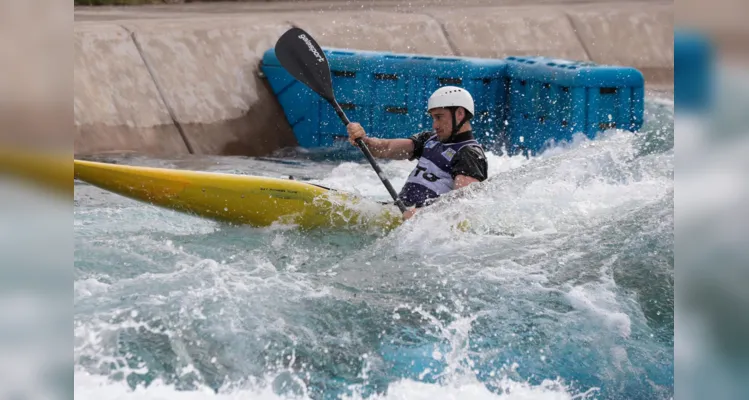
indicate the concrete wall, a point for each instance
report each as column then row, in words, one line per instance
column 169, row 81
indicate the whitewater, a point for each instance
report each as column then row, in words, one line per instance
column 562, row 288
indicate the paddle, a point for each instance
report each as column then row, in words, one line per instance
column 303, row 58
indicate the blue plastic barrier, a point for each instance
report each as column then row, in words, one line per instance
column 522, row 103
column 693, row 71
column 387, row 93
column 550, row 99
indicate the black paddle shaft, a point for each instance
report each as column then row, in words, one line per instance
column 303, row 58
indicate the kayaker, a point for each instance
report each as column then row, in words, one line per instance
column 449, row 156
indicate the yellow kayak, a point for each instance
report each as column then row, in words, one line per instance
column 241, row 199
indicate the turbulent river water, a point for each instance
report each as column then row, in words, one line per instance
column 562, row 288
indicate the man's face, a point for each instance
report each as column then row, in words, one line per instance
column 442, row 121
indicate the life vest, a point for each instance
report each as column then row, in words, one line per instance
column 432, row 176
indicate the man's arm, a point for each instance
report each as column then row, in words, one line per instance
column 396, row 149
column 463, row 181
column 469, row 166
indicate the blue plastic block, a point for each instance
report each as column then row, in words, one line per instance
column 549, row 100
column 387, row 93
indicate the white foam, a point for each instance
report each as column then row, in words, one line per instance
column 599, row 299
column 88, row 287
column 413, row 390
column 568, row 186
column 119, row 219
column 96, row 387
column 361, row 179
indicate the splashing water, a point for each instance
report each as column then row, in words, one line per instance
column 561, row 288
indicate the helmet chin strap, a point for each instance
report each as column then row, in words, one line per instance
column 456, row 126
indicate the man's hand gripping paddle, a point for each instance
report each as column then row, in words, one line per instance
column 303, row 58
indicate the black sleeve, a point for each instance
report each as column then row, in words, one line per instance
column 419, row 139
column 470, row 161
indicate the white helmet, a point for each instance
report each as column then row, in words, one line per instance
column 451, row 96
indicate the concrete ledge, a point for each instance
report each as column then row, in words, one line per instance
column 206, row 69
column 503, row 32
column 116, row 104
column 377, row 31
column 642, row 37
